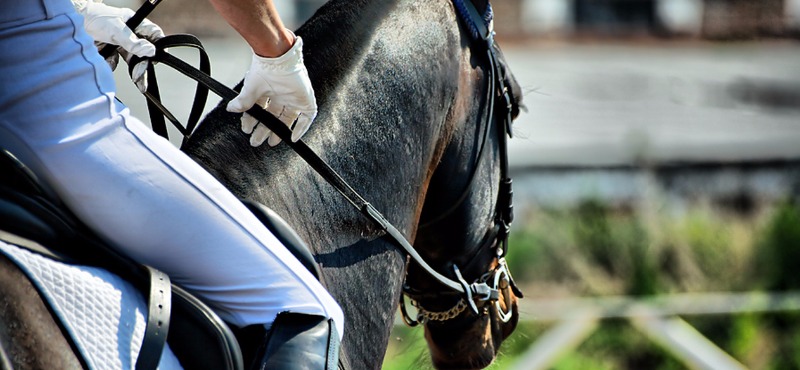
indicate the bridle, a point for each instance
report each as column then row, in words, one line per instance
column 495, row 240
column 484, row 289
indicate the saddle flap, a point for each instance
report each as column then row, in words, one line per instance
column 200, row 338
column 285, row 234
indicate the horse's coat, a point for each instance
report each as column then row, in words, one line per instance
column 398, row 87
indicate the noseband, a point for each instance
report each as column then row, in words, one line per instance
column 486, row 289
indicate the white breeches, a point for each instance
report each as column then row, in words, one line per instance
column 149, row 200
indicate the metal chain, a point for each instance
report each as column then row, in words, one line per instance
column 439, row 316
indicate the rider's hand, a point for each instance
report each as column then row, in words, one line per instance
column 281, row 85
column 106, row 24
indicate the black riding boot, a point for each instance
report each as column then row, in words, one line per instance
column 299, row 341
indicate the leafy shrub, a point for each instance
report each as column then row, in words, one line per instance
column 779, row 249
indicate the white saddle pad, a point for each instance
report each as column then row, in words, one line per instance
column 104, row 314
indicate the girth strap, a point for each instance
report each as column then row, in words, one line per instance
column 159, row 307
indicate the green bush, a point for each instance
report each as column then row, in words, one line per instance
column 594, row 237
column 779, row 249
column 597, row 249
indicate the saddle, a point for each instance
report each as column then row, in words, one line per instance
column 34, row 219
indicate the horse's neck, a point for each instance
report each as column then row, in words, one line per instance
column 385, row 77
column 385, row 74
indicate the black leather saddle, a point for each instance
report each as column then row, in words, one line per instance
column 32, row 218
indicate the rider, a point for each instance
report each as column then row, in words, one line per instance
column 142, row 195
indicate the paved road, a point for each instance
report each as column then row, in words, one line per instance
column 614, row 104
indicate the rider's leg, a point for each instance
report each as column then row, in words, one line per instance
column 298, row 342
column 149, row 200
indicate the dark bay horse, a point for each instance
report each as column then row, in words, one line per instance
column 401, row 96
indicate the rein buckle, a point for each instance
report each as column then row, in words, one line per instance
column 479, row 290
column 483, row 292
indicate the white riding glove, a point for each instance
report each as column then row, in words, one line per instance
column 280, row 85
column 106, row 24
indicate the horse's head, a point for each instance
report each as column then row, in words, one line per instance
column 463, row 224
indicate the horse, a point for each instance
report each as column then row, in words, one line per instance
column 402, row 95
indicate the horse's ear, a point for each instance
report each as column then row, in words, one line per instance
column 515, row 91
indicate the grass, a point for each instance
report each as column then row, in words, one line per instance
column 596, row 250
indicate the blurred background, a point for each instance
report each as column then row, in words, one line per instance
column 657, row 178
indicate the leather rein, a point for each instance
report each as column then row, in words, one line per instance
column 497, row 236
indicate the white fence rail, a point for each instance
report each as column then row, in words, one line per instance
column 656, row 317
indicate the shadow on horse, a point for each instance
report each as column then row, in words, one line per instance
column 404, row 115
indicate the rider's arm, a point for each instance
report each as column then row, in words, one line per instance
column 277, row 80
column 259, row 24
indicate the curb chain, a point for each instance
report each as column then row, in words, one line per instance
column 439, row 316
